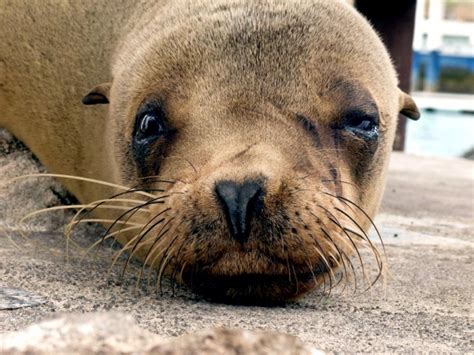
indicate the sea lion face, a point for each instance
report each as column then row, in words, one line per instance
column 269, row 128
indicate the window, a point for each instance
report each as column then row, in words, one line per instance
column 459, row 10
column 426, row 9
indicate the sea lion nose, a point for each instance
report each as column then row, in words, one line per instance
column 240, row 202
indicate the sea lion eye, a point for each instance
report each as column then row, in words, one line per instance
column 362, row 125
column 150, row 136
column 151, row 125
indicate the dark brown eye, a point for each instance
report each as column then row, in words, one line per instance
column 362, row 125
column 151, row 125
column 152, row 133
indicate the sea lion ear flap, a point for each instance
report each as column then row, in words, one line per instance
column 408, row 107
column 98, row 95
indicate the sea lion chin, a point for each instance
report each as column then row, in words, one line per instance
column 258, row 135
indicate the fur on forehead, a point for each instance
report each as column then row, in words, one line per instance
column 236, row 35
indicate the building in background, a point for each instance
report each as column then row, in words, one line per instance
column 443, row 45
column 443, row 79
column 441, row 67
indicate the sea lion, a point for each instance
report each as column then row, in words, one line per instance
column 256, row 133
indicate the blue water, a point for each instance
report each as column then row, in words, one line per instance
column 441, row 133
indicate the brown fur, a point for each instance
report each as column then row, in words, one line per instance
column 235, row 77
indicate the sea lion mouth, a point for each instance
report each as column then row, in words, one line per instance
column 234, row 279
column 252, row 288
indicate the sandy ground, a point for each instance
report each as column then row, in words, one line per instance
column 426, row 221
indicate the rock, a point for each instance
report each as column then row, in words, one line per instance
column 236, row 341
column 110, row 333
column 117, row 333
column 11, row 298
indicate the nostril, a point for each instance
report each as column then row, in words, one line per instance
column 239, row 202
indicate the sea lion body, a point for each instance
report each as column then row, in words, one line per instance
column 51, row 54
column 273, row 120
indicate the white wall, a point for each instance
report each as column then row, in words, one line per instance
column 429, row 32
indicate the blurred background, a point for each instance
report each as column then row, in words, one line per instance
column 432, row 46
column 443, row 79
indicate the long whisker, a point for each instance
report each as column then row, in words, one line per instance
column 325, row 293
column 334, row 220
column 339, row 252
column 344, row 258
column 178, row 258
column 58, row 208
column 127, row 246
column 364, row 213
column 158, row 240
column 16, row 245
column 68, row 228
column 287, row 262
column 310, row 268
column 296, row 278
column 341, row 181
column 156, row 200
column 104, row 220
column 365, row 237
column 182, row 270
column 110, row 235
column 156, row 179
column 320, row 252
column 144, row 232
column 154, row 246
column 185, row 159
column 163, row 263
column 97, row 204
column 167, row 257
column 93, row 206
column 338, row 265
column 97, row 220
column 372, row 246
column 380, row 267
column 80, row 178
column 177, row 263
column 136, row 240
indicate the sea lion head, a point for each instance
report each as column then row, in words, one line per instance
column 269, row 127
